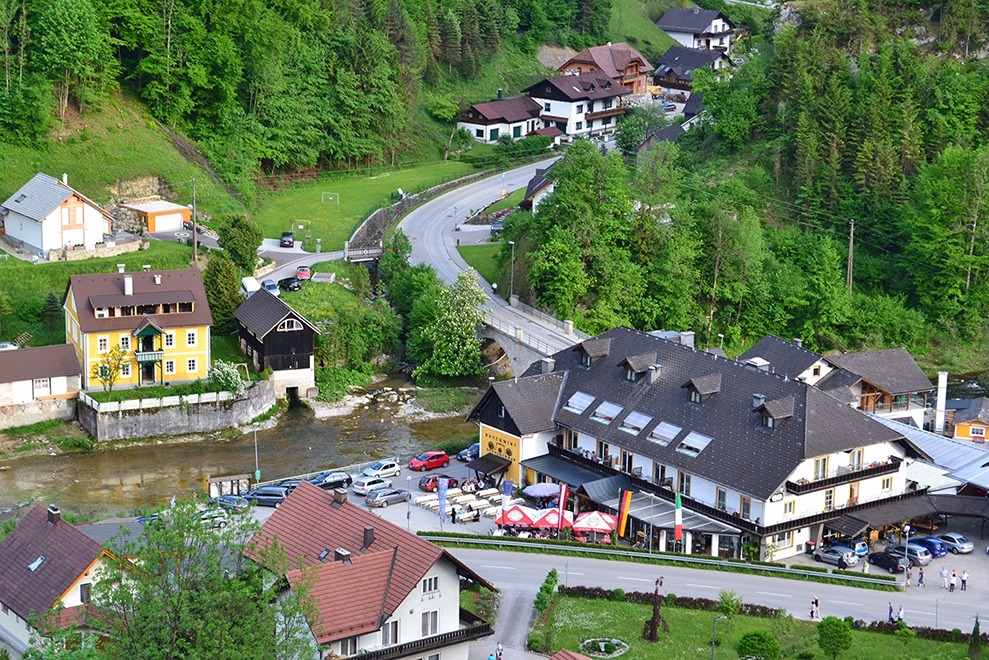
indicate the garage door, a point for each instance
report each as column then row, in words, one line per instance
column 167, row 222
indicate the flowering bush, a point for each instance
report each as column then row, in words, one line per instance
column 224, row 377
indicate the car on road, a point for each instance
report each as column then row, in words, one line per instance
column 888, row 562
column 934, row 544
column 235, row 503
column 956, row 543
column 832, row 555
column 364, row 485
column 287, row 240
column 917, row 554
column 268, row 496
column 214, row 517
column 429, row 460
column 497, row 227
column 303, row 273
column 382, row 497
column 271, row 287
column 431, row 483
column 469, row 454
column 290, row 283
column 331, row 479
column 387, row 468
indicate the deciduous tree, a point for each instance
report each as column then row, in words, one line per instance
column 834, row 636
column 456, row 350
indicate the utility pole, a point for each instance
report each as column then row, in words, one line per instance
column 851, row 257
column 195, row 241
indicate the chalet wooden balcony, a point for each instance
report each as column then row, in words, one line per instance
column 843, row 476
column 610, row 112
column 473, row 628
column 149, row 356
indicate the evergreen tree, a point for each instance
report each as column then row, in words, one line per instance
column 51, row 310
column 222, row 292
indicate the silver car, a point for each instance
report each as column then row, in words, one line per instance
column 383, row 469
column 832, row 555
column 917, row 554
column 364, row 485
column 384, row 496
column 956, row 542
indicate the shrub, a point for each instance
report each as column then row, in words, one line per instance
column 729, row 603
column 759, row 644
column 618, row 594
column 223, row 377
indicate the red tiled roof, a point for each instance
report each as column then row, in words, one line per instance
column 564, row 654
column 39, row 362
column 551, row 131
column 515, row 109
column 67, row 552
column 611, row 59
column 309, row 523
column 186, row 285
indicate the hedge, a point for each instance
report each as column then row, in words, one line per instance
column 645, row 598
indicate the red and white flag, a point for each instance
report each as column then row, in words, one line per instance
column 562, row 504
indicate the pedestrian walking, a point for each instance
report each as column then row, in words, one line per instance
column 499, row 651
column 944, row 577
column 964, row 580
column 815, row 608
column 952, row 581
column 920, row 577
column 891, row 612
column 865, row 566
column 453, row 515
column 909, row 575
column 842, row 564
column 899, row 615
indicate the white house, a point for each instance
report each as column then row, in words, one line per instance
column 584, row 105
column 46, row 214
column 486, row 122
column 39, row 374
column 698, row 28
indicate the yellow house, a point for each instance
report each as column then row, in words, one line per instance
column 159, row 320
column 970, row 419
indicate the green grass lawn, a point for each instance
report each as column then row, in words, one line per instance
column 28, row 285
column 575, row 619
column 225, row 348
column 318, row 300
column 509, row 202
column 634, row 21
column 117, row 142
column 483, row 259
column 359, row 196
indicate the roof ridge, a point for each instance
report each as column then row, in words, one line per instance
column 387, row 589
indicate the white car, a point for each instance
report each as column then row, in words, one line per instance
column 271, row 287
column 364, row 485
column 383, row 469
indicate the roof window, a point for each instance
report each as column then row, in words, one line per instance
column 693, row 444
column 664, row 433
column 635, row 422
column 36, row 564
column 579, row 402
column 606, row 412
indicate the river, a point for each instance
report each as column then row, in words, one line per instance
column 120, row 480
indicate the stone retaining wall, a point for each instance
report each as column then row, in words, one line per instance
column 22, row 414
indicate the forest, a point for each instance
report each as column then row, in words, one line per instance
column 743, row 226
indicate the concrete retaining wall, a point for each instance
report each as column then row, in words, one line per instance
column 102, row 251
column 145, row 418
column 22, row 414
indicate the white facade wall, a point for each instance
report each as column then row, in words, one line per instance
column 684, row 39
column 15, row 633
column 576, row 113
column 489, row 133
column 22, row 391
column 24, row 229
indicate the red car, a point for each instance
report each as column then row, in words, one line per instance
column 431, row 483
column 429, row 460
column 303, row 273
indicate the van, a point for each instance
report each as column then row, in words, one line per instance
column 854, row 546
column 248, row 285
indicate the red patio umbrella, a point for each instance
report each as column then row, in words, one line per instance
column 595, row 521
column 516, row 514
column 550, row 519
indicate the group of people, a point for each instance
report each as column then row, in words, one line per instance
column 898, row 616
column 951, row 580
column 499, row 652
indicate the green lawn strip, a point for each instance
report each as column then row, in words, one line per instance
column 483, row 259
column 573, row 549
column 446, row 399
column 359, row 195
column 227, row 349
column 318, row 301
column 52, row 431
column 634, row 21
column 572, row 620
column 509, row 202
column 28, row 284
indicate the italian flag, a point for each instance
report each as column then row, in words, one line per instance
column 678, row 521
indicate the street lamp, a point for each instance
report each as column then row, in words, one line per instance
column 906, row 551
column 257, row 466
column 408, row 505
column 721, row 340
column 714, row 628
column 511, row 286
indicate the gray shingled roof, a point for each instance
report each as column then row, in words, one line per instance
column 595, row 348
column 585, row 87
column 541, row 179
column 39, row 362
column 262, row 312
column 742, row 454
column 609, row 488
column 530, row 401
column 978, row 409
column 692, row 20
column 780, row 408
column 684, row 60
column 839, row 384
column 892, row 370
column 37, row 198
column 705, row 385
column 784, row 358
column 694, row 105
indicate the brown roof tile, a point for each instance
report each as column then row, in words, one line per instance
column 512, row 110
column 39, row 362
column 67, row 552
column 610, row 59
column 564, row 654
column 109, row 288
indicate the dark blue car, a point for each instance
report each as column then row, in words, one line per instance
column 934, row 544
column 470, row 453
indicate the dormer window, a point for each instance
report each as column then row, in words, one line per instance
column 701, row 388
column 817, row 370
column 695, row 396
column 630, row 374
column 585, row 360
column 772, row 412
column 767, row 422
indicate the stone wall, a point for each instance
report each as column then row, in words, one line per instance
column 103, row 251
column 22, row 414
column 147, row 418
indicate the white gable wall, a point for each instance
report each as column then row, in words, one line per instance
column 24, row 229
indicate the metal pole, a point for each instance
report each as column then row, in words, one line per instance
column 714, row 628
column 511, row 287
column 906, row 552
column 195, row 246
column 408, row 508
column 257, row 466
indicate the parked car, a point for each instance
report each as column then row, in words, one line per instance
column 497, row 227
column 289, row 484
column 364, row 485
column 431, row 483
column 235, row 503
column 271, row 287
column 669, row 106
column 855, row 546
column 934, row 544
column 832, row 555
column 214, row 517
column 956, row 542
column 287, row 240
column 290, row 283
column 469, row 454
column 382, row 497
column 888, row 562
column 145, row 520
column 917, row 554
column 303, row 273
column 8, row 346
column 429, row 460
column 383, row 469
column 330, row 480
column 268, row 496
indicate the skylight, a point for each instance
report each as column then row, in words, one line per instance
column 606, row 412
column 635, row 422
column 36, row 564
column 579, row 402
column 664, row 433
column 693, row 444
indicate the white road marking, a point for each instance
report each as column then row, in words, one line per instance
column 572, row 573
column 770, row 593
column 504, row 568
column 622, row 577
column 845, row 602
column 918, row 612
column 702, row 586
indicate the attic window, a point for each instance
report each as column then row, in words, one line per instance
column 20, row 198
column 549, row 89
column 606, row 412
column 101, row 313
column 289, row 325
column 630, row 374
column 585, row 360
column 635, row 422
column 324, row 554
column 36, row 564
column 693, row 444
column 664, row 433
column 695, row 396
column 579, row 402
column 767, row 422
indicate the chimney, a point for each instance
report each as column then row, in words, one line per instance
column 121, row 268
column 942, row 394
column 128, row 286
column 341, row 555
column 368, row 537
column 547, row 365
column 758, row 400
column 146, row 268
column 339, row 496
column 54, row 515
column 501, row 93
column 654, row 372
column 687, row 338
column 65, row 178
column 158, row 280
column 798, row 342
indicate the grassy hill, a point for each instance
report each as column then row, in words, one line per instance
column 634, row 21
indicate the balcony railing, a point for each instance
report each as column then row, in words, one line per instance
column 473, row 628
column 608, row 112
column 843, row 476
column 149, row 356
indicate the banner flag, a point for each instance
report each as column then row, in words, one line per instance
column 625, row 504
column 678, row 521
column 444, row 484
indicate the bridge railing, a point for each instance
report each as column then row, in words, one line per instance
column 549, row 320
column 520, row 335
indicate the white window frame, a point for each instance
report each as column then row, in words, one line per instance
column 125, row 370
column 390, row 633
column 103, row 344
column 789, row 507
column 430, row 623
column 169, row 367
column 193, row 335
column 290, row 325
column 431, row 584
column 125, row 343
column 42, row 386
column 192, row 365
column 783, row 540
column 977, row 431
column 169, row 340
